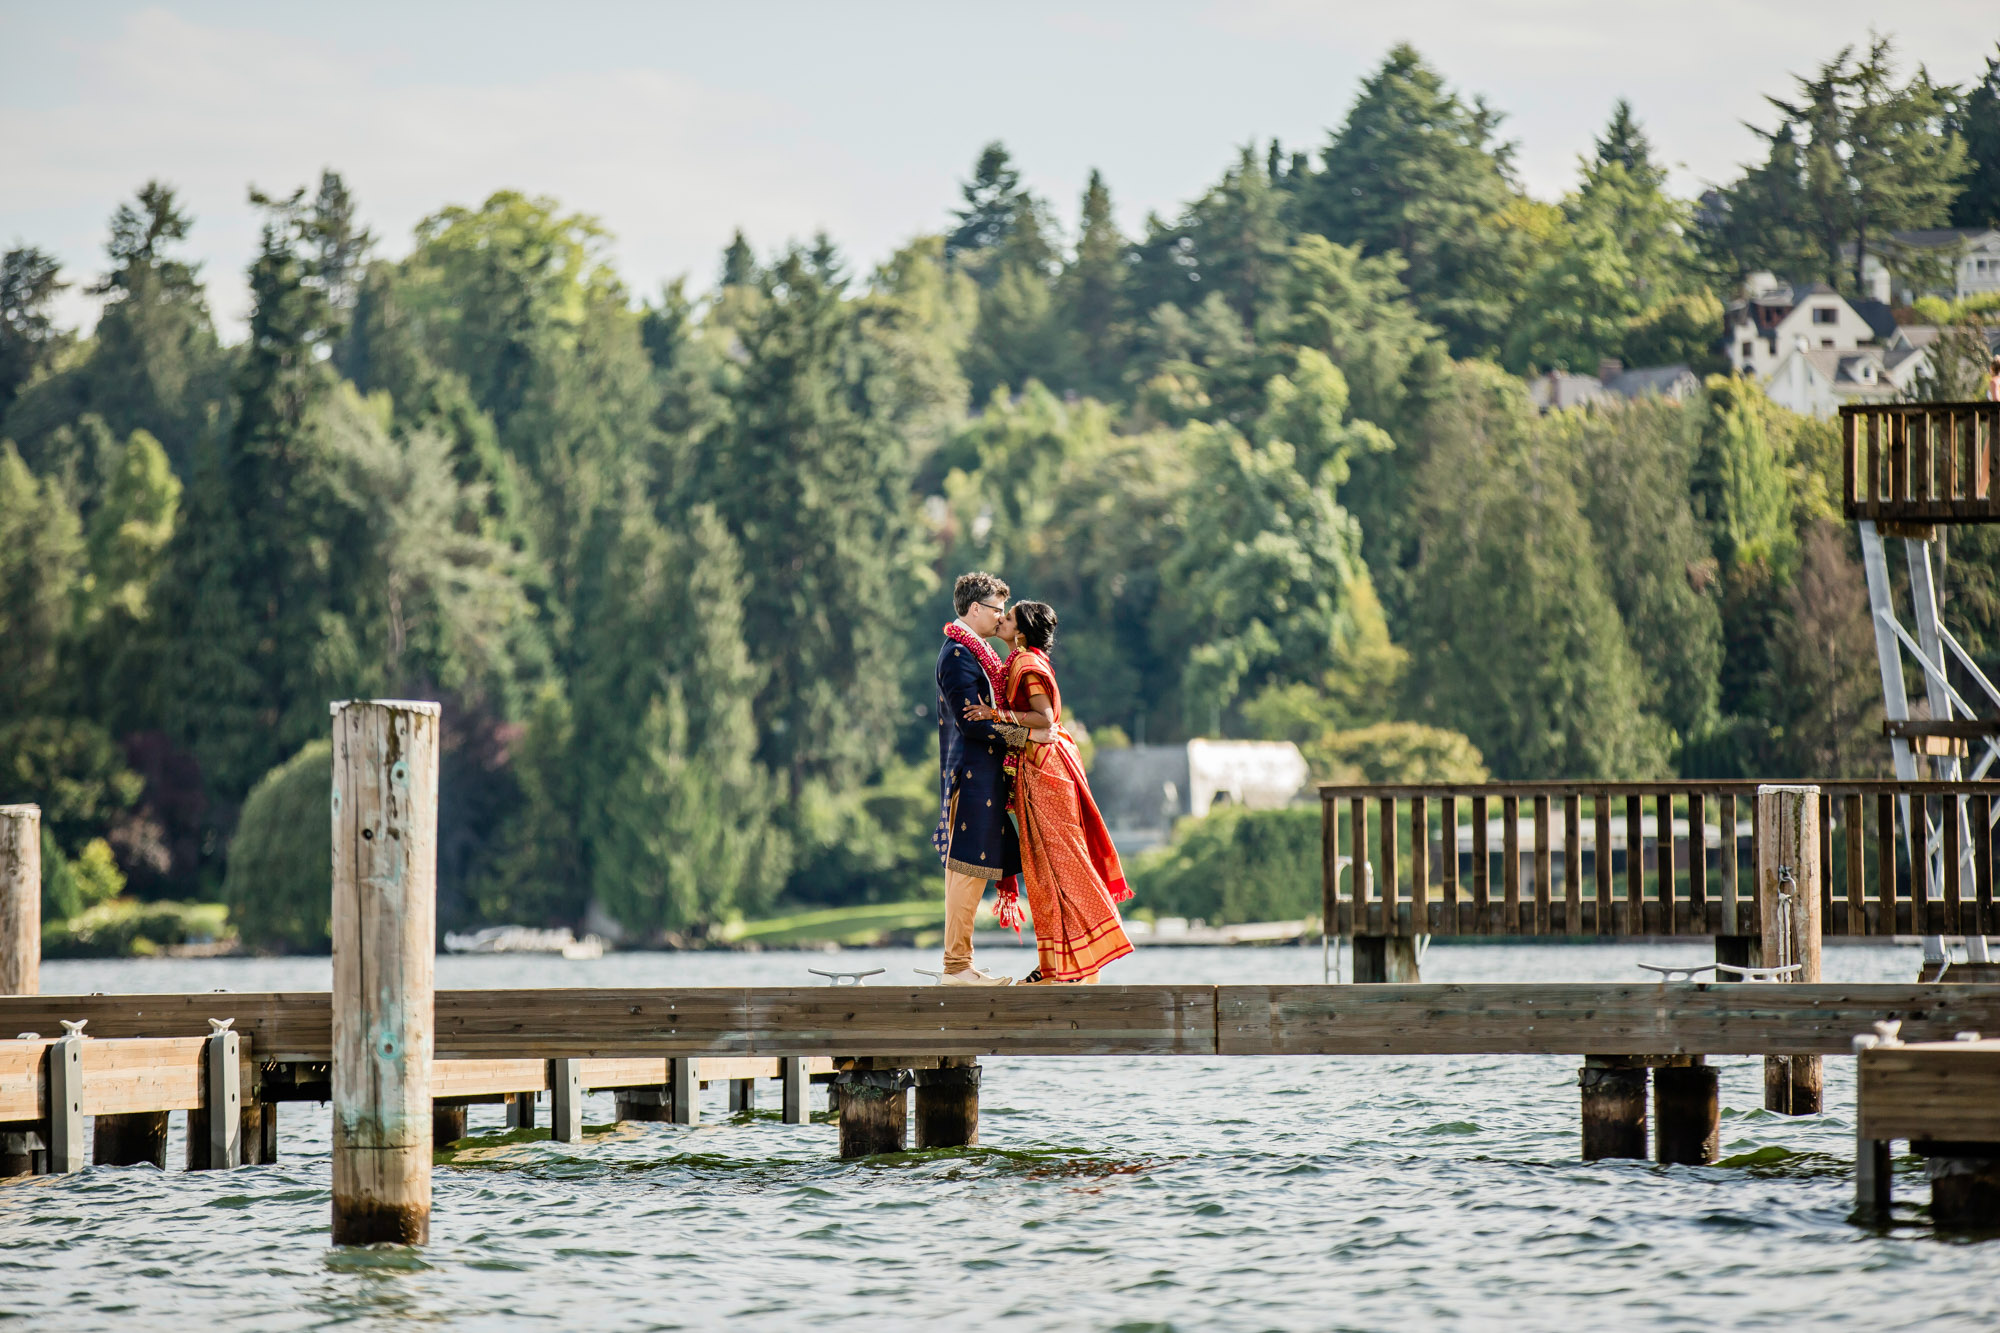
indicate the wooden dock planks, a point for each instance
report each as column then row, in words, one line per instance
column 120, row 1077
column 1565, row 1019
column 1938, row 1091
column 726, row 1023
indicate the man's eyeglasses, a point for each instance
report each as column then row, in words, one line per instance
column 999, row 610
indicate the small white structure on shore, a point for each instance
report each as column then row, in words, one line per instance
column 1143, row 789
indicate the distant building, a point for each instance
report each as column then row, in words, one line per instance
column 1814, row 350
column 1951, row 262
column 1559, row 389
column 1143, row 789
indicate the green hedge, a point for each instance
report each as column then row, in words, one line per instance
column 1236, row 865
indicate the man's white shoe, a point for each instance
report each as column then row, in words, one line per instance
column 972, row 976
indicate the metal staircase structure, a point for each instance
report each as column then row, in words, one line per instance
column 1910, row 469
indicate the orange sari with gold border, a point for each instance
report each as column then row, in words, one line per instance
column 1069, row 868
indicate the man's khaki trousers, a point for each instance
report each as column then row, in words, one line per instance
column 961, row 904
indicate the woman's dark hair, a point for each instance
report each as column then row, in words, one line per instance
column 1037, row 623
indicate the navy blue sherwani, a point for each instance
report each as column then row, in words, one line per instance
column 974, row 835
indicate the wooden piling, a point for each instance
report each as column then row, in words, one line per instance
column 1385, row 958
column 447, row 1125
column 22, row 1152
column 521, row 1110
column 742, row 1095
column 1687, row 1114
column 1872, row 1178
column 798, row 1089
column 133, row 1139
column 1965, row 1187
column 948, row 1104
column 647, row 1105
column 385, row 782
column 874, row 1107
column 1614, row 1107
column 20, row 900
column 1789, row 880
column 566, row 1101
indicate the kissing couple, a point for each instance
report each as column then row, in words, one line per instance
column 1015, row 800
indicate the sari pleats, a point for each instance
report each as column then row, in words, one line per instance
column 1069, row 869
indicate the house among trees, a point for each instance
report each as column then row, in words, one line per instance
column 1813, row 349
column 1559, row 389
column 1955, row 263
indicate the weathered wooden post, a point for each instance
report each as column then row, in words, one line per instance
column 742, row 1095
column 20, row 945
column 1614, row 1106
column 1789, row 875
column 948, row 1104
column 798, row 1095
column 874, row 1106
column 1687, row 1113
column 20, row 900
column 521, row 1110
column 1385, row 958
column 385, row 784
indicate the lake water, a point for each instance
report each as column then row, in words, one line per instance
column 1166, row 1193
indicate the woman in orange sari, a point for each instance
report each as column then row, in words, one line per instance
column 1068, row 865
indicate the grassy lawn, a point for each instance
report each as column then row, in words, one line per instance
column 860, row 925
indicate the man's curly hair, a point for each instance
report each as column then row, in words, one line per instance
column 977, row 587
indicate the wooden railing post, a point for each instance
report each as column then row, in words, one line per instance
column 385, row 784
column 20, row 900
column 1789, row 876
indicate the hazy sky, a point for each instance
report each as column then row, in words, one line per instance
column 675, row 123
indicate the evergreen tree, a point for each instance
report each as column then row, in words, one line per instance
column 676, row 812
column 809, row 481
column 1264, row 585
column 1415, row 170
column 28, row 283
column 1239, row 236
column 1826, row 686
column 1976, row 121
column 1092, row 288
column 739, row 262
column 1517, row 641
column 1632, row 474
column 41, row 564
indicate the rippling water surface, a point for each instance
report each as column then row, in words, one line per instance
column 1184, row 1193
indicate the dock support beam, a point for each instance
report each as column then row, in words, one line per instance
column 684, row 1078
column 1965, row 1187
column 742, row 1095
column 447, row 1125
column 65, row 1122
column 1872, row 1180
column 1789, row 877
column 798, row 1089
column 566, row 1101
column 1614, row 1106
column 215, row 1132
column 1386, row 958
column 385, row 783
column 948, row 1104
column 874, row 1107
column 1687, row 1114
column 134, row 1139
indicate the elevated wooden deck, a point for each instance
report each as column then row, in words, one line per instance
column 1920, row 463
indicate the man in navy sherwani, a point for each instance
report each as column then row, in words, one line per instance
column 974, row 836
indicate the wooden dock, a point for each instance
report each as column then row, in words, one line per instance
column 1943, row 1097
column 400, row 1060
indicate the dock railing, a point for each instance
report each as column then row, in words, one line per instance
column 1920, row 462
column 1622, row 858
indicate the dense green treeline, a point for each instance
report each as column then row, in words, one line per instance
column 676, row 564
